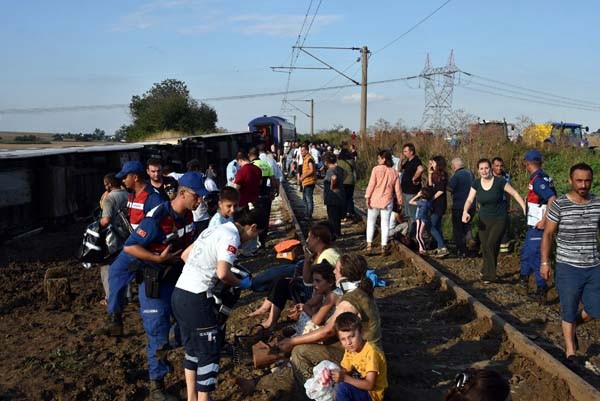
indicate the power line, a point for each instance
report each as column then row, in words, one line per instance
column 75, row 108
column 536, row 97
column 32, row 110
column 529, row 100
column 297, row 54
column 528, row 89
column 413, row 27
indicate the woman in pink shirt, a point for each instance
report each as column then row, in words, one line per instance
column 383, row 187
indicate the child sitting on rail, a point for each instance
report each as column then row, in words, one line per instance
column 229, row 198
column 364, row 370
column 423, row 202
column 314, row 312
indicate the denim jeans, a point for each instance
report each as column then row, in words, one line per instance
column 307, row 197
column 436, row 230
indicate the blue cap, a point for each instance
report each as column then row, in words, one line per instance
column 533, row 156
column 132, row 166
column 193, row 181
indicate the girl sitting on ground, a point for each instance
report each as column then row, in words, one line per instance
column 423, row 202
column 322, row 304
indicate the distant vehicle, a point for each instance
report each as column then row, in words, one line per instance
column 557, row 132
column 273, row 130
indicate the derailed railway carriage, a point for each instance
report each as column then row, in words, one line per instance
column 52, row 186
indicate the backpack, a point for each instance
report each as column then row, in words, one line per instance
column 99, row 244
column 92, row 249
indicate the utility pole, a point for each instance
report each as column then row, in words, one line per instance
column 364, row 52
column 312, row 117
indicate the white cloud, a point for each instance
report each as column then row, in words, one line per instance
column 194, row 17
column 371, row 97
column 278, row 24
column 158, row 12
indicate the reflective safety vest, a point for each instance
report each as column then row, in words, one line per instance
column 266, row 172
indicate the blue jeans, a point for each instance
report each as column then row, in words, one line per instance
column 347, row 392
column 531, row 257
column 307, row 197
column 436, row 230
column 156, row 319
column 576, row 285
column 266, row 280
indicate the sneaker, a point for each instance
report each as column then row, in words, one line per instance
column 440, row 252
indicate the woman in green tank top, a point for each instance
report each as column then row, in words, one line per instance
column 489, row 191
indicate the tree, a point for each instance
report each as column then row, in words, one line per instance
column 169, row 106
column 462, row 121
column 99, row 134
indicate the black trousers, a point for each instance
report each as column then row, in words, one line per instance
column 334, row 216
column 460, row 231
column 264, row 202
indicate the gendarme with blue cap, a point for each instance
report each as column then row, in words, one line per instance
column 193, row 181
column 132, row 166
column 533, row 156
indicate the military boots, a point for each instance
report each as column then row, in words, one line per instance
column 158, row 392
column 113, row 326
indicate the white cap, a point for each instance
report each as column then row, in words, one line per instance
column 286, row 144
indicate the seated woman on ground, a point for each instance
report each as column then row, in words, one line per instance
column 479, row 385
column 321, row 306
column 350, row 273
column 318, row 249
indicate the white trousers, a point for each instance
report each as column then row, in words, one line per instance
column 385, row 224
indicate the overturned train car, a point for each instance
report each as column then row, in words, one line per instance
column 53, row 186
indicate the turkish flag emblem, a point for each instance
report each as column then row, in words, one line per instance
column 232, row 249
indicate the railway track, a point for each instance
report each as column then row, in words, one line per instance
column 433, row 328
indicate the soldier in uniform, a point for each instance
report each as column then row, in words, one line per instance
column 155, row 246
column 540, row 195
column 142, row 198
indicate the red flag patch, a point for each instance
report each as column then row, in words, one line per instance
column 232, row 249
column 141, row 232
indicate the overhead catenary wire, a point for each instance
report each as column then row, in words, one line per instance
column 77, row 108
column 296, row 52
column 412, row 28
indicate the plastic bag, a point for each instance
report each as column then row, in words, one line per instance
column 320, row 387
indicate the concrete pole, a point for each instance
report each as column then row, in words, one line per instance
column 312, row 117
column 363, row 94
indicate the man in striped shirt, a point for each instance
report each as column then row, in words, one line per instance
column 575, row 217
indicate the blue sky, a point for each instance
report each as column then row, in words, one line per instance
column 79, row 53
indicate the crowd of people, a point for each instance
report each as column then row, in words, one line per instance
column 187, row 234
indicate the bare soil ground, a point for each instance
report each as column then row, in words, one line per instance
column 51, row 353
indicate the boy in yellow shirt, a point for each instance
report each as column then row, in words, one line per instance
column 363, row 376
